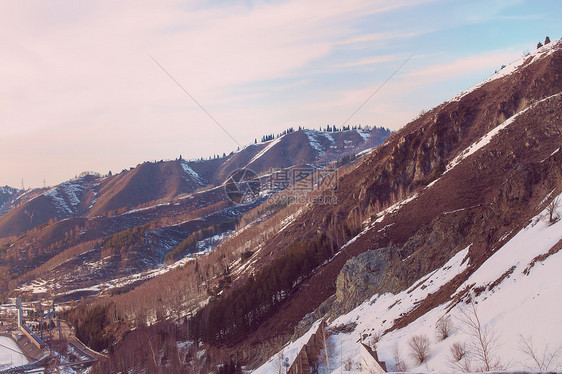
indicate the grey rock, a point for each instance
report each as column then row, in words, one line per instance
column 360, row 277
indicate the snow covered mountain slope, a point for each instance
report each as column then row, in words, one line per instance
column 67, row 197
column 442, row 210
column 470, row 173
column 151, row 183
column 7, row 195
column 516, row 293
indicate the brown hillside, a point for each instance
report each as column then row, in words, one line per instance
column 497, row 189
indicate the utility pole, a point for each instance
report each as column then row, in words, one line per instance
column 41, row 321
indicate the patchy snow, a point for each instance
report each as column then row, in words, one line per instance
column 513, row 67
column 191, row 174
column 206, row 245
column 36, row 286
column 66, row 196
column 288, row 220
column 378, row 314
column 313, row 139
column 8, row 190
column 352, row 240
column 271, row 144
column 393, row 208
column 365, row 134
column 485, row 140
column 365, row 152
column 327, row 135
column 552, row 154
column 526, row 303
column 136, row 210
column 10, row 354
column 290, row 352
column 203, row 247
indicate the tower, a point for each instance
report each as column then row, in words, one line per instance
column 20, row 313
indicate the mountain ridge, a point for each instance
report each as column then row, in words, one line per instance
column 150, row 182
column 408, row 234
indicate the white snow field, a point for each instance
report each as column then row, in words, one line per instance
column 10, row 354
column 526, row 304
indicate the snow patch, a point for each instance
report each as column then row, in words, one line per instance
column 290, row 352
column 485, row 140
column 313, row 139
column 393, row 208
column 10, row 354
column 374, row 315
column 526, row 302
column 364, row 152
column 191, row 174
column 271, row 144
column 364, row 134
column 513, row 67
column 66, row 196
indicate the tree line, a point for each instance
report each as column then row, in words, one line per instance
column 228, row 319
column 190, row 243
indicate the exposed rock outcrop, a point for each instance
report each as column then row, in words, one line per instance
column 360, row 277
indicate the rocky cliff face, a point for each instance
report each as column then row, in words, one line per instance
column 475, row 202
column 359, row 277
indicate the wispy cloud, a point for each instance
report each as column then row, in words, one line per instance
column 82, row 68
column 367, row 61
column 387, row 36
column 288, row 86
column 76, row 78
column 465, row 66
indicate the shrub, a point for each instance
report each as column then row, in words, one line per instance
column 458, row 351
column 399, row 364
column 443, row 327
column 419, row 348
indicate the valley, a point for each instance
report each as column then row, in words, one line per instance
column 434, row 248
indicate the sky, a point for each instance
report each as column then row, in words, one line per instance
column 106, row 85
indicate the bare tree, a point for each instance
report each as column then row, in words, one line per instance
column 484, row 341
column 458, row 351
column 399, row 364
column 419, row 348
column 551, row 208
column 458, row 358
column 327, row 350
column 444, row 327
column 543, row 360
column 348, row 364
column 375, row 338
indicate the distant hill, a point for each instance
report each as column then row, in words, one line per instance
column 7, row 195
column 91, row 196
column 458, row 209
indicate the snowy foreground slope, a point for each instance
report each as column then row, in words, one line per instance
column 517, row 294
column 10, row 354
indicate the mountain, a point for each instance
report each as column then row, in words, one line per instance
column 454, row 216
column 435, row 218
column 456, row 196
column 91, row 195
column 122, row 229
column 7, row 195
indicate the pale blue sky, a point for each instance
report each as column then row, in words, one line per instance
column 80, row 92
